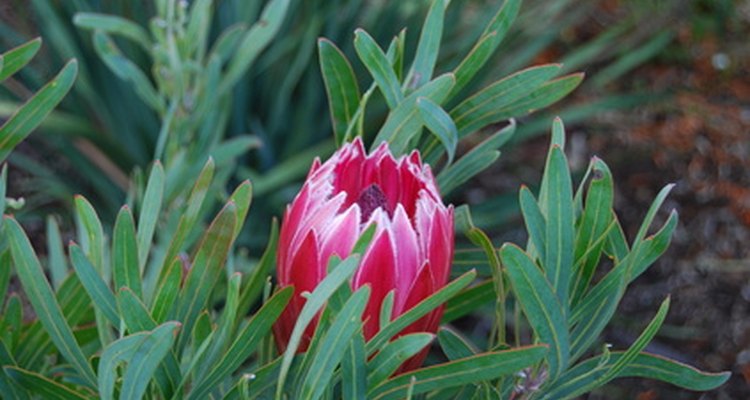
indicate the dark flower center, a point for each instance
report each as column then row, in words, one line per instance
column 370, row 199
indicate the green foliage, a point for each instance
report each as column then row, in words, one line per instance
column 159, row 304
column 28, row 116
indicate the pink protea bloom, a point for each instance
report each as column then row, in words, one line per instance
column 410, row 253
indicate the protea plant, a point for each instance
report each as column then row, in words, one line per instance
column 411, row 250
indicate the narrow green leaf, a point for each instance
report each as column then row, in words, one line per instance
column 482, row 367
column 137, row 319
column 489, row 105
column 43, row 301
column 91, row 234
column 244, row 344
column 146, row 359
column 114, row 25
column 418, row 311
column 440, row 124
column 403, row 122
column 101, row 297
column 395, row 353
column 190, row 216
column 315, row 302
column 30, row 115
column 558, row 206
column 485, row 47
column 241, row 197
column 594, row 227
column 41, row 385
column 335, row 343
column 649, row 366
column 208, row 265
column 167, row 290
column 125, row 253
column 428, row 46
column 475, row 161
column 149, row 212
column 536, row 225
column 225, row 326
column 198, row 27
column 252, row 287
column 341, row 87
column 127, row 70
column 354, row 369
column 253, row 42
column 14, row 59
column 540, row 305
column 469, row 300
column 454, row 345
column 377, row 64
column 58, row 268
column 600, row 376
column 226, row 44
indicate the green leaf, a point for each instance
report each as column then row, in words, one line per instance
column 403, row 122
column 440, row 124
column 226, row 44
column 253, row 286
column 476, row 160
column 114, row 25
column 377, row 64
column 58, row 268
column 149, row 212
column 482, row 367
column 241, row 197
column 14, row 59
column 41, row 385
column 142, row 352
column 137, row 319
column 225, row 326
column 602, row 374
column 428, row 46
column 536, row 225
column 315, row 302
column 354, row 369
column 167, row 290
column 485, row 47
column 30, row 115
column 127, row 70
column 558, row 207
column 101, row 297
column 334, row 344
column 208, row 265
column 244, row 344
column 644, row 365
column 469, row 300
column 190, row 215
column 418, row 311
column 594, row 227
column 125, row 253
column 145, row 360
column 91, row 233
column 43, row 301
column 253, row 42
column 540, row 305
column 341, row 87
column 454, row 345
column 395, row 353
column 492, row 104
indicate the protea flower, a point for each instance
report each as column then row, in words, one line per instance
column 411, row 250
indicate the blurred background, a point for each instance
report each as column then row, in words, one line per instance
column 666, row 99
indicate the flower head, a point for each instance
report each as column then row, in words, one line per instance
column 411, row 250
